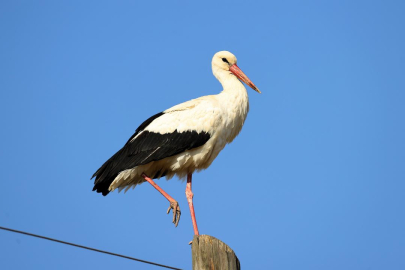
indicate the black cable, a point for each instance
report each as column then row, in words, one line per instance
column 89, row 248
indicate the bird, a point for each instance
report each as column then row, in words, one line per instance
column 181, row 140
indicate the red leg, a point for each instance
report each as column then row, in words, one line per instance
column 189, row 195
column 173, row 203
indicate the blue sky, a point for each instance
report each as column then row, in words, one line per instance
column 315, row 180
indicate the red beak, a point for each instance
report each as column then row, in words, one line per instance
column 241, row 76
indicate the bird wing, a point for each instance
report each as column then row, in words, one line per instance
column 180, row 128
column 201, row 115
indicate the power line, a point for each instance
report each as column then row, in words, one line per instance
column 89, row 248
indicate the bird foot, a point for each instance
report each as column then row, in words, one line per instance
column 191, row 242
column 176, row 212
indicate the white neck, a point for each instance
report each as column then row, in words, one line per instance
column 234, row 100
column 229, row 81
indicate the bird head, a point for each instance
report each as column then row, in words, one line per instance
column 226, row 61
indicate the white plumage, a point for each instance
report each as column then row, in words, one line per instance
column 213, row 121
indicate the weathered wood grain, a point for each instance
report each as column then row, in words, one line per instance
column 209, row 253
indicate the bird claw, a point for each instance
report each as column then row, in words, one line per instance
column 176, row 212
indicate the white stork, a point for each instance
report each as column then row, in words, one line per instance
column 181, row 140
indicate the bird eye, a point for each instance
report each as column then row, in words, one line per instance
column 225, row 60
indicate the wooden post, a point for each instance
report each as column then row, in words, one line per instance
column 210, row 253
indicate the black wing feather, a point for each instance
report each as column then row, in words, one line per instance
column 147, row 147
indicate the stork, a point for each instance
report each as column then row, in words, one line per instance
column 181, row 140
